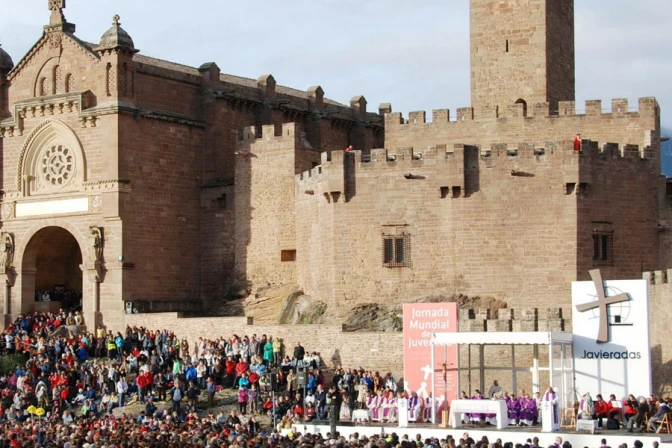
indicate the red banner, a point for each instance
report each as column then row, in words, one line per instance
column 420, row 321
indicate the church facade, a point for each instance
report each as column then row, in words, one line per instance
column 131, row 180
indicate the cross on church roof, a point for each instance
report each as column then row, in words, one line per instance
column 56, row 7
column 56, row 4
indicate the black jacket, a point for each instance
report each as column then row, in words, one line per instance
column 299, row 352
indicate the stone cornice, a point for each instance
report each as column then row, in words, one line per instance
column 110, row 185
column 171, row 118
column 120, row 107
column 46, row 106
column 88, row 114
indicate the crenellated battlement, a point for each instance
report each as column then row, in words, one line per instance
column 647, row 107
column 660, row 277
column 510, row 319
column 452, row 166
column 451, row 154
column 253, row 134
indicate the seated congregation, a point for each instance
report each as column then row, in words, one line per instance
column 643, row 414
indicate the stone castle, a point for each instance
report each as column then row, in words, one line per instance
column 145, row 182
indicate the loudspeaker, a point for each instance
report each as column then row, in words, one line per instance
column 274, row 382
column 129, row 307
column 301, row 379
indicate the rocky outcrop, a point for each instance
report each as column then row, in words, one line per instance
column 302, row 309
column 377, row 317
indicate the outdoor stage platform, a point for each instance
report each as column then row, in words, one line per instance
column 512, row 434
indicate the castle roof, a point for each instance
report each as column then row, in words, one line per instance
column 6, row 62
column 116, row 38
column 232, row 79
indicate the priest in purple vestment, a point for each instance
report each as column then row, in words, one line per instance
column 477, row 418
column 528, row 410
column 513, row 409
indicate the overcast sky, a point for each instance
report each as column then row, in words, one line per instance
column 413, row 54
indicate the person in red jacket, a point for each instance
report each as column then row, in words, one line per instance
column 230, row 371
column 241, row 368
column 577, row 142
column 601, row 409
column 141, row 382
column 614, row 408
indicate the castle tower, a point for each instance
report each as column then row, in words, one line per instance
column 521, row 51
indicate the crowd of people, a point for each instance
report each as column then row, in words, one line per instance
column 83, row 383
column 79, row 380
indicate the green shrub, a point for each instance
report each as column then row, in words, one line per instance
column 9, row 362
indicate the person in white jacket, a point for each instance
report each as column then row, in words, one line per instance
column 122, row 388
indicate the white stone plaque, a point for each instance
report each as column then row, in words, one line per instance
column 55, row 207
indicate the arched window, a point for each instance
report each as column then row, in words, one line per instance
column 57, row 81
column 44, row 86
column 524, row 103
column 69, row 83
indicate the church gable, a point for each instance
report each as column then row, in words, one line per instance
column 58, row 63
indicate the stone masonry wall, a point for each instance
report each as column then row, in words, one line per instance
column 161, row 216
column 514, row 223
column 474, row 227
column 265, row 238
column 660, row 310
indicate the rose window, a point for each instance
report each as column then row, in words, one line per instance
column 58, row 164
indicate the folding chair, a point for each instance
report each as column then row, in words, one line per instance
column 568, row 415
column 665, row 425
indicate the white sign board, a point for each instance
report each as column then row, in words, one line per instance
column 611, row 337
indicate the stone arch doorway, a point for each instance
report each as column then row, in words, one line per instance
column 52, row 269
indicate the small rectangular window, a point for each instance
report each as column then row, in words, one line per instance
column 288, row 255
column 396, row 251
column 603, row 248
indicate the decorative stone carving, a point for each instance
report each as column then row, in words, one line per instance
column 55, row 40
column 96, row 238
column 96, row 203
column 6, row 252
column 57, row 166
column 6, row 211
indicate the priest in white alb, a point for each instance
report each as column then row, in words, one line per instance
column 402, row 410
column 550, row 411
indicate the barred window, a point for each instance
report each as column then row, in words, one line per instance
column 603, row 248
column 397, row 251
